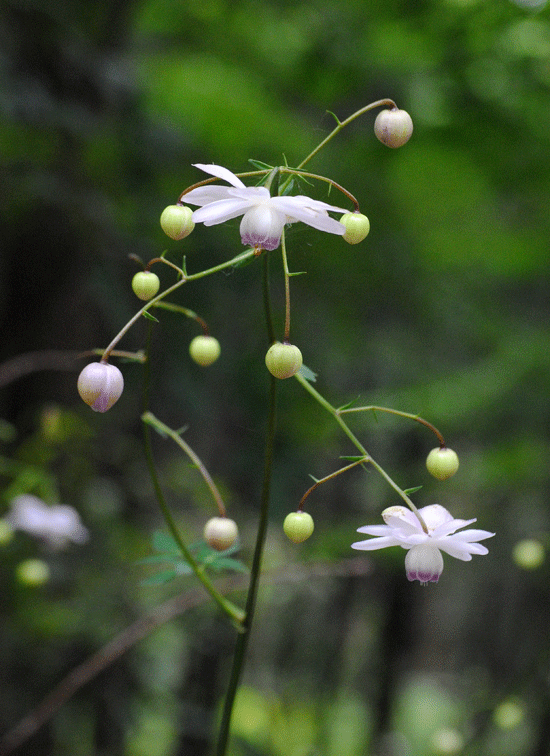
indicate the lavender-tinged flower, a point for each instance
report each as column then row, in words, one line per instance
column 100, row 385
column 264, row 217
column 424, row 561
column 56, row 524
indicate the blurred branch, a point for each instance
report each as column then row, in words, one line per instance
column 32, row 362
column 124, row 641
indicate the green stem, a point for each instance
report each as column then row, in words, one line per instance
column 169, row 290
column 336, row 414
column 329, row 477
column 243, row 639
column 287, row 288
column 342, row 124
column 409, row 415
column 227, row 607
column 163, row 429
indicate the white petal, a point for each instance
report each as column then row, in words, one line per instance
column 375, row 543
column 219, row 212
column 449, row 527
column 203, row 195
column 262, row 226
column 221, row 172
column 375, row 530
column 435, row 515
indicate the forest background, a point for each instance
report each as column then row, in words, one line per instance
column 442, row 311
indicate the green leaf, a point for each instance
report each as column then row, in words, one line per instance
column 160, row 578
column 148, row 315
column 260, row 165
column 308, row 374
column 165, row 543
column 409, row 491
column 224, row 563
column 355, row 459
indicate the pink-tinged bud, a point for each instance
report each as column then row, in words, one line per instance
column 220, row 533
column 393, row 127
column 100, row 385
column 424, row 562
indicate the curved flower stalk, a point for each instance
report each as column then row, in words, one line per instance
column 424, row 561
column 264, row 216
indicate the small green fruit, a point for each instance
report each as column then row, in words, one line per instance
column 220, row 533
column 204, row 350
column 283, row 360
column 442, row 463
column 528, row 554
column 177, row 221
column 32, row 572
column 298, row 526
column 393, row 127
column 357, row 227
column 145, row 285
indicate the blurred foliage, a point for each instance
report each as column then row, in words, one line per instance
column 443, row 310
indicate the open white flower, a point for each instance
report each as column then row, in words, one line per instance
column 264, row 216
column 56, row 524
column 424, row 561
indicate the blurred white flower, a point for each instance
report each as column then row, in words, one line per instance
column 264, row 217
column 56, row 524
column 424, row 561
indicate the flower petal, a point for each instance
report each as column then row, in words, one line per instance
column 220, row 172
column 203, row 195
column 375, row 543
column 219, row 212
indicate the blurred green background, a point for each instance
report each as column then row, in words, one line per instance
column 442, row 311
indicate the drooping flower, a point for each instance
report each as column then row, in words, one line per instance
column 56, row 524
column 100, row 385
column 424, row 561
column 264, row 216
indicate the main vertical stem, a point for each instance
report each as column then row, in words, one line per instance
column 243, row 638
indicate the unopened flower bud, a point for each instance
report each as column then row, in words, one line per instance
column 357, row 227
column 32, row 572
column 283, row 360
column 220, row 533
column 393, row 127
column 100, row 385
column 204, row 350
column 442, row 463
column 298, row 526
column 176, row 221
column 145, row 284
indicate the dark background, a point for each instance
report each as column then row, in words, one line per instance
column 442, row 311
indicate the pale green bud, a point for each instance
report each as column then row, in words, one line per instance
column 393, row 127
column 176, row 221
column 283, row 360
column 357, row 227
column 204, row 350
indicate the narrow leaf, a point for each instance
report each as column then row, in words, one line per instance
column 160, row 578
column 149, row 316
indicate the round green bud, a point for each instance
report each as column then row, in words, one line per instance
column 509, row 714
column 442, row 463
column 283, row 360
column 220, row 533
column 177, row 221
column 393, row 127
column 204, row 350
column 357, row 227
column 100, row 385
column 298, row 526
column 528, row 554
column 145, row 285
column 6, row 532
column 32, row 572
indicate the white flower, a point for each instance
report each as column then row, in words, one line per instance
column 264, row 217
column 424, row 561
column 56, row 524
